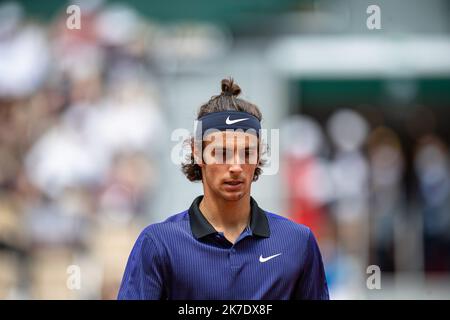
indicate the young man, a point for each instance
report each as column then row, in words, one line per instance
column 224, row 246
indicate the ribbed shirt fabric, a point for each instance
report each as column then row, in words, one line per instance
column 185, row 258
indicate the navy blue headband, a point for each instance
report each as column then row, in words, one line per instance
column 226, row 120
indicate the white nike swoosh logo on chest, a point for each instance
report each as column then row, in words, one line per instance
column 228, row 121
column 261, row 259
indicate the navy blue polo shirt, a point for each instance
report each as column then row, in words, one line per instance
column 184, row 257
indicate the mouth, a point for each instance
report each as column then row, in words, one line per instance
column 233, row 184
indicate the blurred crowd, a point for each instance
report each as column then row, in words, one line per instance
column 79, row 120
column 368, row 200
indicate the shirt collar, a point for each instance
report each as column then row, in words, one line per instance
column 200, row 227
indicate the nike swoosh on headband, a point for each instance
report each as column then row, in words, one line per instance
column 228, row 121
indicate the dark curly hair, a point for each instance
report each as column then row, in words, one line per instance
column 226, row 100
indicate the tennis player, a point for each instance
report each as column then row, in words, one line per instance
column 225, row 246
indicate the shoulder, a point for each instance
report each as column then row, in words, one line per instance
column 170, row 228
column 296, row 236
column 280, row 225
column 279, row 221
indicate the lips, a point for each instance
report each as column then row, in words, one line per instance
column 233, row 185
column 233, row 182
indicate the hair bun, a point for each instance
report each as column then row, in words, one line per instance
column 230, row 88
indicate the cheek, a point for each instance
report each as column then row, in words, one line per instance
column 250, row 169
column 214, row 172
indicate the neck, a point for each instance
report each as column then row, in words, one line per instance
column 224, row 215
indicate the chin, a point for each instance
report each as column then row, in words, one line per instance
column 233, row 196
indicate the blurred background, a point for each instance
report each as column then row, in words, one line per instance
column 86, row 117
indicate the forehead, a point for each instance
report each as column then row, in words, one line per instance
column 232, row 139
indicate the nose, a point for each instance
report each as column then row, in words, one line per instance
column 235, row 169
column 236, row 166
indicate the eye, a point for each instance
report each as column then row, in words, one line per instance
column 249, row 152
column 227, row 154
column 250, row 156
column 223, row 155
